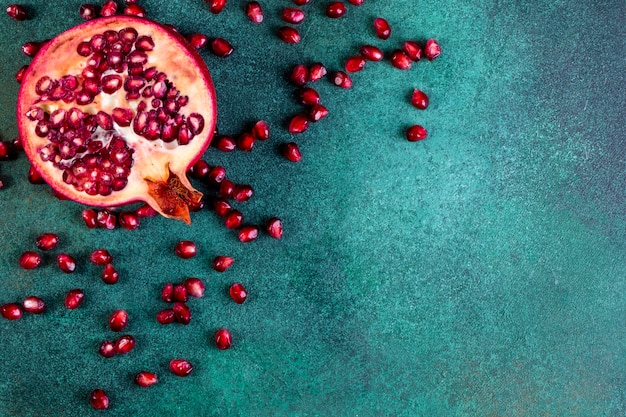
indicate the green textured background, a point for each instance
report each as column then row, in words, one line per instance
column 481, row 272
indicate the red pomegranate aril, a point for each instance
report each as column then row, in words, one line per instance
column 74, row 298
column 356, row 2
column 432, row 49
column 87, row 11
column 248, row 234
column 200, row 169
column 343, row 80
column 185, row 249
column 107, row 349
column 99, row 399
column 135, row 10
column 198, row 40
column 118, row 320
column 254, row 12
column 245, row 142
column 221, row 207
column 416, row 133
column 216, row 175
column 401, row 60
column 19, row 75
column 309, row 97
column 66, row 262
column 221, row 47
column 30, row 49
column 11, row 311
column 355, row 64
column 17, row 12
column 301, row 2
column 317, row 113
column 293, row 15
column 317, row 72
column 124, row 344
column 146, row 211
column 216, row 6
column 223, row 339
column 242, row 192
column 289, row 35
column 146, row 379
column 166, row 316
column 419, row 99
column 167, row 294
column 106, row 219
column 47, row 241
column 179, row 293
column 238, row 293
column 100, row 257
column 274, row 228
column 110, row 275
column 225, row 143
column 298, row 124
column 7, row 151
column 195, row 287
column 30, row 260
column 413, row 50
column 181, row 367
column 128, row 220
column 90, row 218
column 197, row 206
column 182, row 313
column 109, row 8
column 222, row 263
column 34, row 177
column 34, row 305
column 299, row 75
column 382, row 28
column 226, row 189
column 291, row 152
column 261, row 130
column 233, row 219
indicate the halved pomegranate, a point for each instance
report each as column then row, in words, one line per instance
column 109, row 118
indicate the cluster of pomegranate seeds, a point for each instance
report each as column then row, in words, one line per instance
column 17, row 12
column 254, row 12
column 223, row 339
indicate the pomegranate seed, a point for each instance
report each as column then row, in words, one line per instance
column 233, row 219
column 109, row 8
column 124, row 344
column 245, row 141
column 216, row 6
column 356, row 2
column 90, row 218
column 301, row 2
column 87, row 11
column 200, row 169
column 198, row 40
column 355, row 64
column 343, row 80
column 221, row 206
column 223, row 339
column 254, row 12
column 181, row 367
column 432, row 49
column 146, row 211
column 182, row 313
column 17, row 12
column 135, row 10
column 309, row 97
column 30, row 260
column 107, row 349
column 118, row 320
column 225, row 143
column 106, row 219
column 335, row 9
column 371, row 52
column 30, row 49
column 19, row 75
column 419, row 99
column 299, row 75
column 261, row 130
column 382, row 28
column 413, row 50
column 167, row 294
column 47, row 241
column 74, row 298
column 185, row 249
column 195, row 287
column 11, row 311
column 274, row 227
column 242, row 192
column 180, row 293
column 292, row 152
column 99, row 399
column 293, row 15
column 34, row 305
column 34, row 177
column 197, row 206
column 146, row 379
column 7, row 151
column 226, row 189
column 216, row 175
column 298, row 124
column 415, row 133
column 166, row 316
column 248, row 234
column 110, row 275
column 100, row 257
column 222, row 263
column 221, row 47
column 238, row 293
column 317, row 71
column 289, row 35
column 401, row 60
column 317, row 113
column 128, row 220
column 66, row 262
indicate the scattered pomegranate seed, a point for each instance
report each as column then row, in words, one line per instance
column 180, row 293
column 274, row 227
column 47, row 241
column 87, row 11
column 106, row 219
column 238, row 293
column 135, row 10
column 128, row 220
column 356, row 2
column 415, row 133
column 223, row 339
column 291, row 152
column 118, row 320
column 34, row 305
column 413, row 50
column 100, row 257
column 30, row 260
column 293, row 15
column 222, row 207
column 7, row 151
column 221, row 47
column 335, row 9
column 216, row 6
column 198, row 40
column 226, row 189
column 146, row 379
column 99, row 399
column 30, row 49
column 11, row 311
column 401, row 60
column 216, row 175
column 195, row 287
column 317, row 113
column 166, row 316
column 225, row 143
column 74, row 298
column 185, row 249
column 66, row 262
column 432, row 49
column 298, row 124
column 167, row 294
column 222, row 263
column 289, row 35
column 261, row 130
column 317, row 71
column 19, row 75
column 299, row 75
column 17, row 12
column 309, row 96
column 107, row 349
column 182, row 313
column 301, row 2
column 181, row 367
column 233, row 219
column 248, row 234
column 242, row 192
column 200, row 169
column 110, row 275
column 90, row 218
column 254, row 12
column 146, row 211
column 34, row 177
column 245, row 141
column 419, row 99
column 355, row 64
column 343, row 80
column 109, row 8
column 382, row 28
column 124, row 344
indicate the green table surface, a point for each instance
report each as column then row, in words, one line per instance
column 481, row 272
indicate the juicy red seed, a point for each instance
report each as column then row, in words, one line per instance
column 299, row 75
column 7, row 151
column 317, row 71
column 182, row 313
column 245, row 142
column 19, row 75
column 34, row 177
column 261, row 130
column 100, row 257
column 198, row 40
column 226, row 189
column 248, row 234
column 292, row 152
column 17, row 12
column 87, row 11
column 99, row 399
column 66, row 262
column 118, row 320
column 124, row 344
column 135, row 10
column 335, row 9
column 200, row 169
column 216, row 175
column 166, row 316
column 146, row 379
column 11, row 311
column 289, row 35
column 222, row 263
column 30, row 49
column 181, row 367
column 298, row 124
column 233, row 219
column 413, row 50
column 221, row 207
column 74, row 298
column 109, row 8
column 238, row 293
column 221, row 47
column 216, row 6
column 167, row 294
column 34, row 304
column 90, row 218
column 179, row 293
column 128, row 220
column 185, row 249
column 225, row 143
column 195, row 287
column 301, row 2
column 415, row 133
column 317, row 113
column 432, row 49
column 47, row 241
column 107, row 349
column 254, row 12
column 30, row 260
column 355, row 64
column 110, row 275
column 356, row 2
column 371, row 52
column 401, row 60
column 419, row 99
column 106, row 219
column 293, row 15
column 274, row 227
column 309, row 97
column 223, row 339
column 146, row 211
column 242, row 192
column 382, row 28
column 343, row 80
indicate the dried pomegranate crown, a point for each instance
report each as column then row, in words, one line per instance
column 116, row 110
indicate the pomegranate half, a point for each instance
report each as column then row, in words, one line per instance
column 114, row 111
